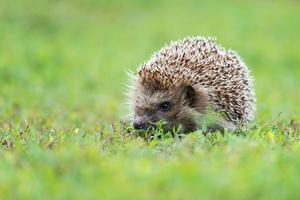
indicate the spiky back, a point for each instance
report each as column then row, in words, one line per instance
column 201, row 61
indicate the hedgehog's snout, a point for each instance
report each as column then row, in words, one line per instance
column 140, row 123
column 144, row 122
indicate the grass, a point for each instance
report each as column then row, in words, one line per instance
column 63, row 69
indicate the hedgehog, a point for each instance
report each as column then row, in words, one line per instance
column 189, row 80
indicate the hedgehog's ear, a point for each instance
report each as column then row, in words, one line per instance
column 196, row 97
column 189, row 94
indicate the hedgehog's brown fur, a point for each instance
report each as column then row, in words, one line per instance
column 220, row 78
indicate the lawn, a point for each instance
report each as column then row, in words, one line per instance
column 63, row 71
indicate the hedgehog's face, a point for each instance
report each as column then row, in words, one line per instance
column 174, row 107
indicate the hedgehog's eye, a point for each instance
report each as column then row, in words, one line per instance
column 165, row 106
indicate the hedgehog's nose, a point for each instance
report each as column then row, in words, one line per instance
column 138, row 125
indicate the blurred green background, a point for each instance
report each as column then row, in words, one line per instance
column 63, row 58
column 63, row 67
